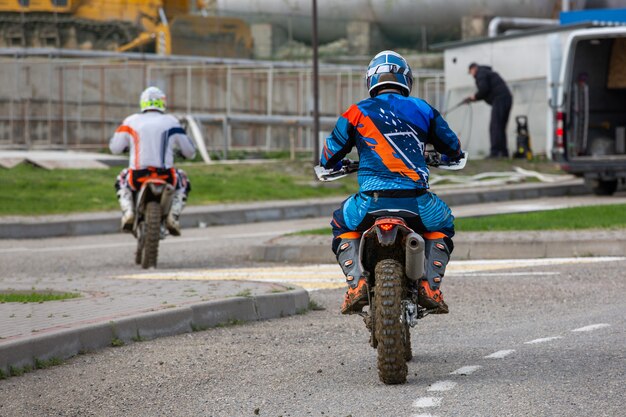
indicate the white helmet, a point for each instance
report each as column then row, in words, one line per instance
column 152, row 98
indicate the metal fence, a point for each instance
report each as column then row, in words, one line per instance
column 78, row 103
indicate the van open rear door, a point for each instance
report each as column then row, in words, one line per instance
column 590, row 117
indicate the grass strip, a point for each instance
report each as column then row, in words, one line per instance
column 28, row 190
column 612, row 216
column 35, row 297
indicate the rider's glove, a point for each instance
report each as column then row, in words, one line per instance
column 341, row 164
column 447, row 160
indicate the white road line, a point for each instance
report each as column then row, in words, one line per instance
column 502, row 274
column 424, row 402
column 592, row 327
column 500, row 354
column 466, row 370
column 133, row 243
column 543, row 340
column 442, row 386
column 514, row 263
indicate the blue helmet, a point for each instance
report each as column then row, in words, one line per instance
column 389, row 68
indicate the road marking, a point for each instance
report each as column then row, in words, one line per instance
column 504, row 274
column 466, row 370
column 310, row 277
column 500, row 354
column 173, row 241
column 543, row 340
column 592, row 327
column 442, row 386
column 425, row 402
column 329, row 276
column 457, row 267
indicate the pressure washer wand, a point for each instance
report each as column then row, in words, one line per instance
column 456, row 106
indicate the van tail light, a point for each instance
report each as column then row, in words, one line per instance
column 559, row 132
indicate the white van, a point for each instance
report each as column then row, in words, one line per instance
column 590, row 108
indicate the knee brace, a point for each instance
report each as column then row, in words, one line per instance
column 437, row 256
column 348, row 258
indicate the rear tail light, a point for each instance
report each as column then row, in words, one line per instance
column 386, row 226
column 559, row 132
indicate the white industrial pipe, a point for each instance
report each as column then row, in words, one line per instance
column 517, row 22
column 398, row 19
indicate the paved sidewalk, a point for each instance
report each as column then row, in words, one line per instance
column 131, row 310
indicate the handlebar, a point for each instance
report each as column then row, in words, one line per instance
column 432, row 158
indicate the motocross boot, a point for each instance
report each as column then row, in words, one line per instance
column 127, row 204
column 438, row 249
column 178, row 203
column 348, row 258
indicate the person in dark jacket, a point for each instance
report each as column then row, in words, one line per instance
column 493, row 89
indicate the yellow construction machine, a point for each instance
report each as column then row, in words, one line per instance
column 161, row 26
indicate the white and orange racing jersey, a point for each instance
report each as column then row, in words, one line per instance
column 151, row 138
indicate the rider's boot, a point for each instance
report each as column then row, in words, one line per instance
column 438, row 250
column 348, row 257
column 125, row 198
column 178, row 203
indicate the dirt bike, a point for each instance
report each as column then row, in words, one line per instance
column 393, row 261
column 152, row 206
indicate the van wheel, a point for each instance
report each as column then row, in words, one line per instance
column 600, row 187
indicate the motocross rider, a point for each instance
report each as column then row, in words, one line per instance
column 151, row 137
column 390, row 130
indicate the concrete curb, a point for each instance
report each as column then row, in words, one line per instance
column 101, row 223
column 463, row 250
column 25, row 353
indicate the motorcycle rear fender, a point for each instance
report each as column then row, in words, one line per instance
column 383, row 237
column 154, row 190
column 387, row 236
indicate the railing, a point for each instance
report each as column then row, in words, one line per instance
column 54, row 102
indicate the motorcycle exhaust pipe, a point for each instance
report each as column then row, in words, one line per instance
column 415, row 256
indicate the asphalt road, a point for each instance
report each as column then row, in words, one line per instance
column 87, row 257
column 320, row 364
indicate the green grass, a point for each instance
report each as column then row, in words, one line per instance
column 324, row 231
column 34, row 297
column 28, row 190
column 576, row 218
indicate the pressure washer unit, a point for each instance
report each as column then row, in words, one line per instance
column 523, row 139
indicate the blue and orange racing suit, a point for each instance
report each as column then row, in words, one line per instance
column 390, row 132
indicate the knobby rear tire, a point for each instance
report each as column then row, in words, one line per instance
column 408, row 350
column 390, row 331
column 152, row 229
column 140, row 242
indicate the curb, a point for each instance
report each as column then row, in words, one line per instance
column 463, row 250
column 25, row 353
column 220, row 215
